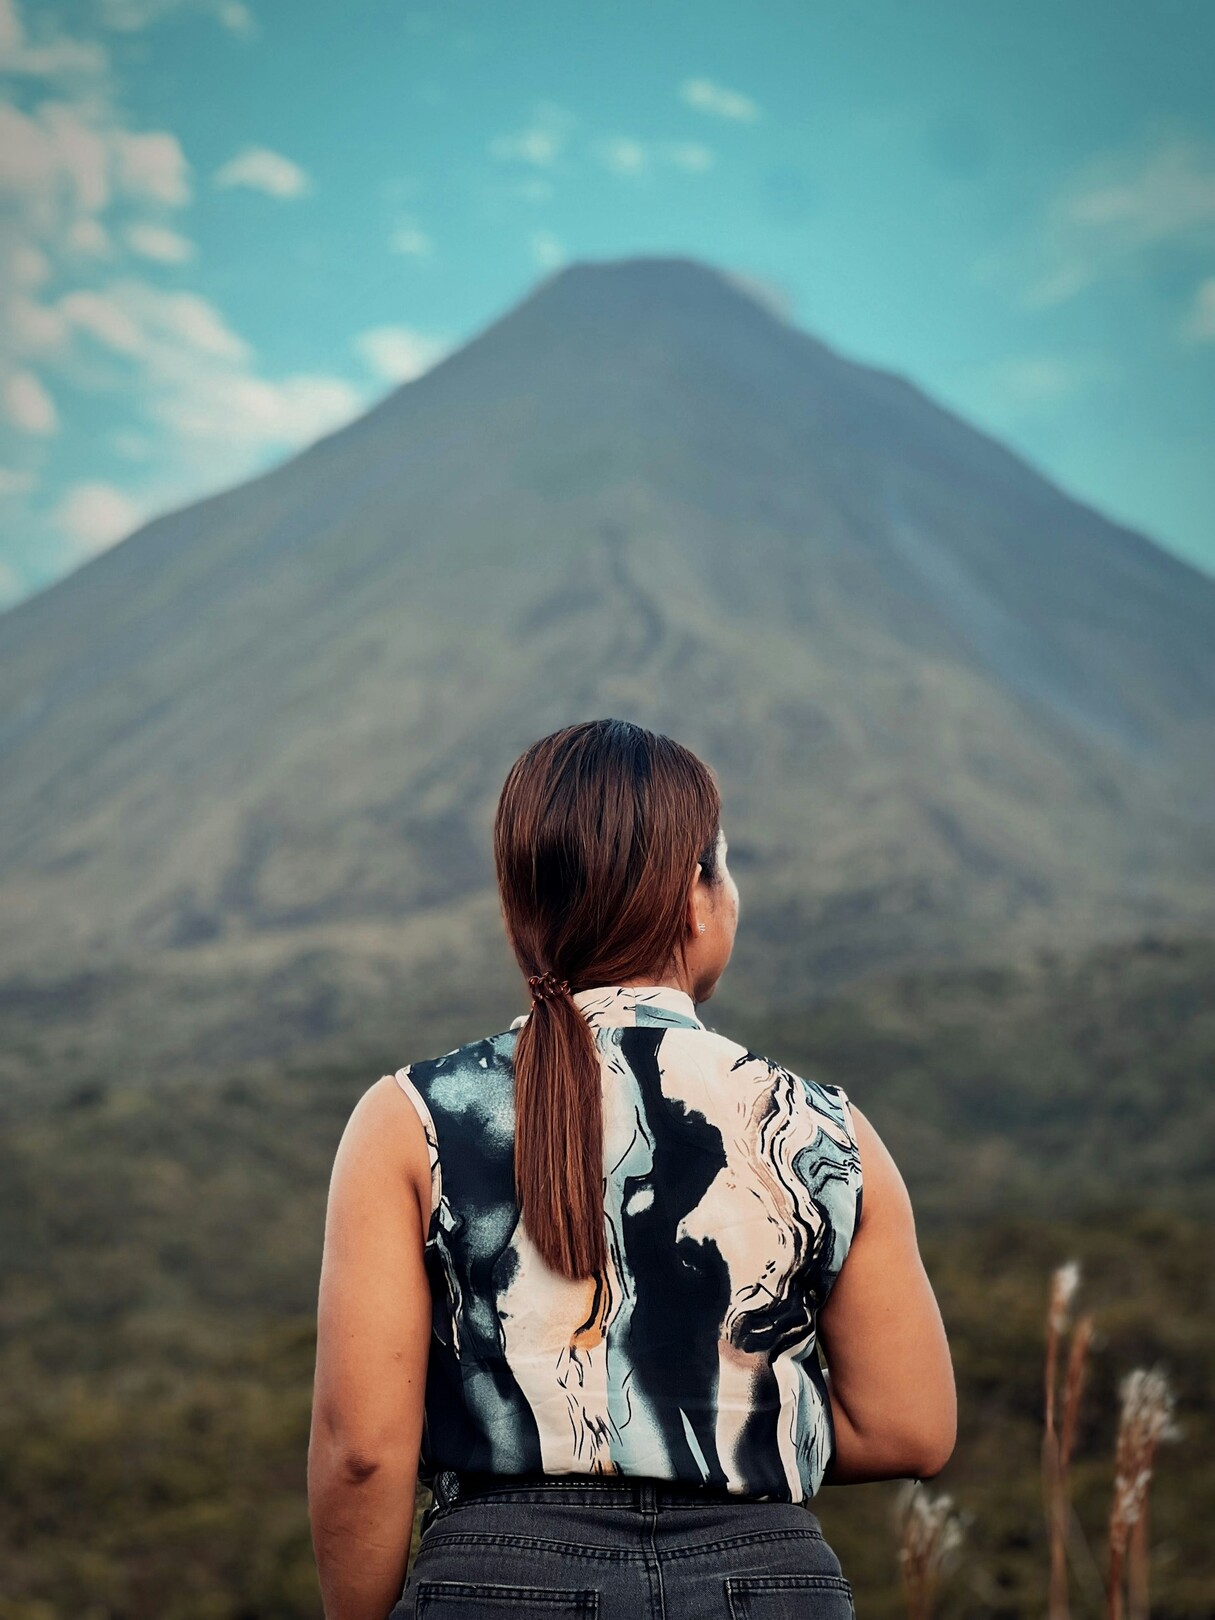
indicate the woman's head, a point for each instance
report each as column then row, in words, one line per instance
column 610, row 858
column 611, row 870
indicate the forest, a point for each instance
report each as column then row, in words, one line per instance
column 161, row 1246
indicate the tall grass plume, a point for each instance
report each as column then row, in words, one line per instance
column 930, row 1533
column 1060, row 1426
column 1146, row 1418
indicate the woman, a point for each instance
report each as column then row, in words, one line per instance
column 579, row 1270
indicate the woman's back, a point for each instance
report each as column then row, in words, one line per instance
column 576, row 1274
column 731, row 1196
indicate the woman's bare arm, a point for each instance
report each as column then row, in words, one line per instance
column 373, row 1329
column 890, row 1373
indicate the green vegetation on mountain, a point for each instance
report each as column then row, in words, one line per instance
column 161, row 1244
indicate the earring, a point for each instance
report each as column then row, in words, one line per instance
column 702, row 928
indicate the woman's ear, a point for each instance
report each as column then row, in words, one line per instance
column 693, row 902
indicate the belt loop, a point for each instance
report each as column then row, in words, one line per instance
column 447, row 1487
column 647, row 1496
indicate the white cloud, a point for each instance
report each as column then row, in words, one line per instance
column 53, row 160
column 104, row 319
column 1111, row 213
column 27, row 265
column 771, row 296
column 1199, row 326
column 61, row 168
column 152, row 164
column 623, row 155
column 12, row 586
column 16, row 481
column 398, row 353
column 260, row 169
column 548, row 250
column 708, row 97
column 134, row 318
column 198, row 324
column 247, row 414
column 504, row 193
column 533, row 190
column 1025, row 385
column 236, row 17
column 540, row 144
column 412, row 241
column 61, row 165
column 132, row 445
column 159, row 243
column 94, row 515
column 133, row 16
column 88, row 238
column 1157, row 194
column 192, row 378
column 1025, row 379
column 54, row 56
column 33, row 329
column 690, row 155
column 27, row 404
column 1058, row 285
column 65, row 164
column 80, row 190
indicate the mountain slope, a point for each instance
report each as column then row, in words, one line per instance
column 952, row 709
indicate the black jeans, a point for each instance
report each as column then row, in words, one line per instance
column 601, row 1548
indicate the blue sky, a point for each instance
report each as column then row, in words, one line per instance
column 228, row 226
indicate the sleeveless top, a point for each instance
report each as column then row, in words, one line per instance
column 732, row 1190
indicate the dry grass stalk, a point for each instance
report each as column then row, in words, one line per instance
column 1063, row 1285
column 1146, row 1418
column 930, row 1532
column 1060, row 1473
column 1137, row 1569
column 1056, row 1446
column 1073, row 1388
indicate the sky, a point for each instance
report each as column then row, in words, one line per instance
column 229, row 226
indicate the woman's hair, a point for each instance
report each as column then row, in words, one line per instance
column 597, row 834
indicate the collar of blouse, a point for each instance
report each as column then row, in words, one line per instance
column 616, row 1005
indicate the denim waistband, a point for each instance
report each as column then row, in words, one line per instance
column 606, row 1490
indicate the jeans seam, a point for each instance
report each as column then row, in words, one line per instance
column 788, row 1583
column 585, row 1601
column 745, row 1539
column 439, row 1536
column 619, row 1555
column 649, row 1498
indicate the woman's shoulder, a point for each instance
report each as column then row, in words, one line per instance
column 725, row 1062
column 465, row 1079
column 481, row 1052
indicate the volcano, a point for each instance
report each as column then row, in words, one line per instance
column 249, row 756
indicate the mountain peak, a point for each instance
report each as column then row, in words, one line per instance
column 652, row 276
column 595, row 319
column 651, row 293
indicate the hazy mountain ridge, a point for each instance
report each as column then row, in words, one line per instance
column 952, row 709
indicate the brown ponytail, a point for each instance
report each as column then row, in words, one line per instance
column 597, row 832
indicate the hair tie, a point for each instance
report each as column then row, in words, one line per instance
column 545, row 986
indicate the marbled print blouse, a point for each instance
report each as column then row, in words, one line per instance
column 732, row 1191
